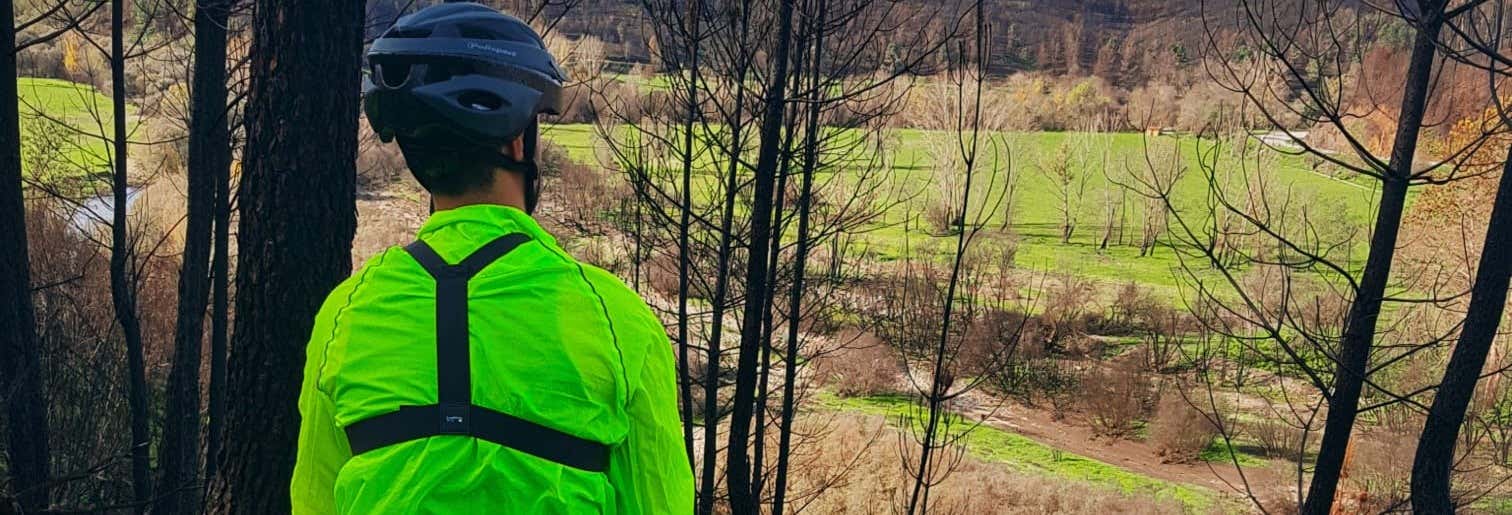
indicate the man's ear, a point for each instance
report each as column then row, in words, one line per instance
column 517, row 149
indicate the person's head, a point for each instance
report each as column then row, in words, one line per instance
column 460, row 86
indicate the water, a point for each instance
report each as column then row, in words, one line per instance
column 96, row 213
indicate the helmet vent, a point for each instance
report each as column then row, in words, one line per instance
column 407, row 33
column 480, row 100
column 391, row 73
column 476, row 32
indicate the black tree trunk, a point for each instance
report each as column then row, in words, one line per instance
column 122, row 263
column 20, row 361
column 219, row 321
column 1488, row 297
column 743, row 499
column 209, row 151
column 298, row 214
column 1360, row 327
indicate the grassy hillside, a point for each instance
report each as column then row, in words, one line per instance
column 62, row 124
column 1337, row 206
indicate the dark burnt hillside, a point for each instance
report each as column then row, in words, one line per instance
column 1120, row 40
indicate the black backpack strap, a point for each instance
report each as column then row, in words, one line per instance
column 454, row 413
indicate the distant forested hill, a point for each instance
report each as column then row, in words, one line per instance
column 1124, row 41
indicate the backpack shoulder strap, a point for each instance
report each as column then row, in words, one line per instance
column 454, row 413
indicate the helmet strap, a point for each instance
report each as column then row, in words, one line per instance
column 527, row 167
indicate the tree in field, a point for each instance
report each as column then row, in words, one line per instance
column 209, row 158
column 1289, row 75
column 297, row 208
column 1159, row 171
column 1065, row 169
column 20, row 363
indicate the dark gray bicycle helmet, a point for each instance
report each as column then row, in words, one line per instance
column 465, row 74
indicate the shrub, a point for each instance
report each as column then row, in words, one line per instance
column 859, row 365
column 586, row 195
column 662, row 274
column 992, row 337
column 944, row 217
column 82, row 351
column 1115, row 400
column 1035, row 380
column 822, row 312
column 1379, row 473
column 1160, row 340
column 1278, row 438
column 1066, row 304
column 604, row 253
column 1131, row 307
column 1180, row 431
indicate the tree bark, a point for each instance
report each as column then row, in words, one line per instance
column 707, row 483
column 684, row 372
column 800, row 263
column 20, row 359
column 122, row 262
column 219, row 321
column 1360, row 327
column 209, row 152
column 743, row 494
column 1488, row 297
column 297, row 203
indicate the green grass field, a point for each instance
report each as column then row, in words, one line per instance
column 61, row 124
column 1337, row 206
column 1026, row 455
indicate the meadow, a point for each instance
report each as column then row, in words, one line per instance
column 1343, row 207
column 65, row 129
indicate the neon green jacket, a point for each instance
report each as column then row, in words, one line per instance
column 554, row 342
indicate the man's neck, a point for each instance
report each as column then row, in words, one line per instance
column 507, row 190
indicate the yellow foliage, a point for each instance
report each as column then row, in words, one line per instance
column 71, row 53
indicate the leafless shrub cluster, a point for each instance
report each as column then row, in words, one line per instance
column 1067, row 303
column 859, row 365
column 1040, row 381
column 1115, row 400
column 1179, row 430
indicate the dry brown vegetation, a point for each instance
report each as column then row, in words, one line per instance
column 82, row 347
column 859, row 365
column 1179, row 430
column 1116, row 399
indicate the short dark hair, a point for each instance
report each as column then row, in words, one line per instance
column 448, row 169
column 445, row 166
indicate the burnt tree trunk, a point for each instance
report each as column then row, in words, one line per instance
column 20, row 360
column 684, row 262
column 1488, row 298
column 219, row 321
column 1360, row 327
column 707, row 485
column 297, row 203
column 209, row 152
column 122, row 263
column 743, row 493
column 800, row 261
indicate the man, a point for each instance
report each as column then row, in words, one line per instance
column 481, row 369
